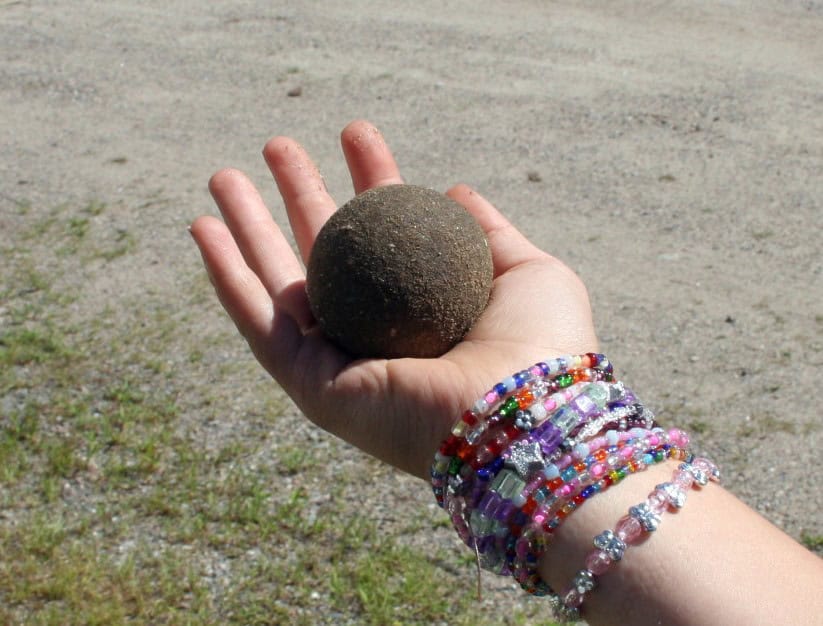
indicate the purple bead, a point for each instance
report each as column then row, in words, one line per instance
column 504, row 511
column 584, row 405
column 549, row 443
column 485, row 543
column 489, row 504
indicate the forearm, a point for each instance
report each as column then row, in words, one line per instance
column 715, row 561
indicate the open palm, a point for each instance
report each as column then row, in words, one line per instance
column 400, row 409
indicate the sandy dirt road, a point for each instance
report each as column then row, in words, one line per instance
column 670, row 152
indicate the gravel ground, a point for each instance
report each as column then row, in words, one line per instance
column 671, row 153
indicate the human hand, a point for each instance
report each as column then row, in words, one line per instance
column 398, row 410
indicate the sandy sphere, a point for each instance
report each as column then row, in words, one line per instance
column 399, row 271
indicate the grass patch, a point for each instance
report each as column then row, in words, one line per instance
column 136, row 488
column 61, row 576
column 812, row 542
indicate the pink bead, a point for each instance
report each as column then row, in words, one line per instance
column 654, row 441
column 683, row 479
column 679, row 437
column 550, row 405
column 628, row 529
column 491, row 397
column 598, row 562
column 705, row 465
column 626, row 453
column 536, row 371
column 540, row 517
column 564, row 491
column 658, row 501
column 597, row 470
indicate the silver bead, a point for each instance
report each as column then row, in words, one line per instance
column 584, row 581
column 674, row 494
column 700, row 477
column 647, row 518
column 525, row 456
column 610, row 544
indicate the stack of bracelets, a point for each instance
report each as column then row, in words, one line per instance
column 539, row 444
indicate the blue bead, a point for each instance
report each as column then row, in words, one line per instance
column 520, row 379
column 587, row 492
column 500, row 389
column 483, row 474
column 551, row 471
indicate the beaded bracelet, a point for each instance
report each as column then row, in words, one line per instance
column 498, row 514
column 448, row 475
column 530, row 452
column 644, row 517
column 554, row 370
column 535, row 540
column 528, row 406
column 527, row 453
column 472, row 487
column 496, row 522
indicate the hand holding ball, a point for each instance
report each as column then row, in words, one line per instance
column 399, row 271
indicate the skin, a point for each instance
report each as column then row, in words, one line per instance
column 714, row 562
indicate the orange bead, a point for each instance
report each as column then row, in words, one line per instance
column 525, row 399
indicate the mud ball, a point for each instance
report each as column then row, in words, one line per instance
column 399, row 271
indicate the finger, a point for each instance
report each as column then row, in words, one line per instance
column 369, row 159
column 508, row 246
column 239, row 289
column 261, row 242
column 308, row 204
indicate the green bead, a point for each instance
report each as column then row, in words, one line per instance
column 564, row 380
column 454, row 466
column 509, row 407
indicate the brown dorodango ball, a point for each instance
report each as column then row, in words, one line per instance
column 399, row 271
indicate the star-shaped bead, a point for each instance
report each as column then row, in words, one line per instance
column 525, row 456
